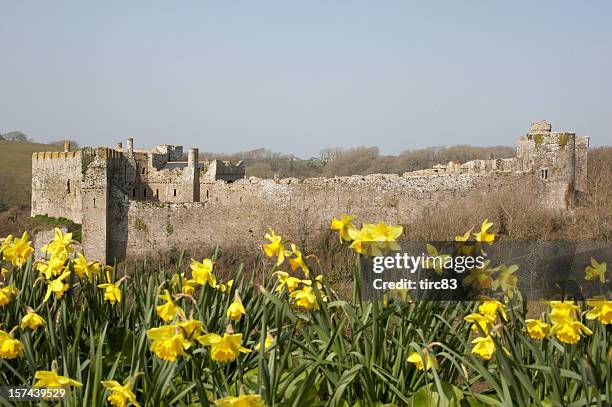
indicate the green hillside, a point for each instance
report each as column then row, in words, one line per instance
column 16, row 171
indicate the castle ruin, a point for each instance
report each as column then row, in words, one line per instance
column 133, row 203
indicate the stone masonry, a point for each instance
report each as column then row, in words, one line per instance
column 134, row 203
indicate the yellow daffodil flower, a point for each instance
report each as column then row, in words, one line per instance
column 537, row 329
column 60, row 243
column 493, row 308
column 168, row 342
column 17, row 251
column 7, row 294
column 305, row 298
column 596, row 271
column 224, row 348
column 191, row 328
column 602, row 311
column 120, row 395
column 485, row 321
column 506, row 280
column 298, row 260
column 363, row 241
column 421, row 364
column 285, row 280
column 276, row 247
column 269, row 341
column 562, row 311
column 52, row 379
column 188, row 286
column 226, row 287
column 169, row 310
column 462, row 247
column 480, row 277
column 57, row 286
column 236, row 310
column 484, row 347
column 53, row 267
column 343, row 225
column 31, row 320
column 10, row 348
column 203, row 272
column 570, row 331
column 484, row 236
column 112, row 292
column 245, row 400
column 85, row 268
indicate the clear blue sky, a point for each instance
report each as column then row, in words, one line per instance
column 301, row 76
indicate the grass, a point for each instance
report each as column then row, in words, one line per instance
column 16, row 171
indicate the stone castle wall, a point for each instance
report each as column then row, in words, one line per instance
column 56, row 185
column 136, row 203
column 237, row 215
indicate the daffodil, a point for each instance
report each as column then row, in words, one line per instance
column 483, row 235
column 85, row 268
column 168, row 342
column 10, row 348
column 245, row 400
column 17, row 251
column 285, row 280
column 596, row 271
column 31, row 320
column 423, row 364
column 483, row 321
column 191, row 328
column 537, row 329
column 435, row 260
column 54, row 266
column 298, row 260
column 363, row 241
column 120, row 394
column 462, row 246
column 60, row 243
column 226, row 287
column 562, row 311
column 48, row 378
column 203, row 272
column 7, row 294
column 374, row 239
column 480, row 277
column 169, row 310
column 57, row 286
column 506, row 280
column 224, row 348
column 484, row 347
column 602, row 311
column 188, row 285
column 305, row 298
column 236, row 310
column 570, row 331
column 112, row 292
column 269, row 341
column 492, row 308
column 6, row 243
column 276, row 247
column 343, row 225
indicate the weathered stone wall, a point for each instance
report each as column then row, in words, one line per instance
column 238, row 214
column 56, row 185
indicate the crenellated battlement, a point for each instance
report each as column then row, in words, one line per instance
column 51, row 155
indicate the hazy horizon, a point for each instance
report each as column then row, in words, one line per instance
column 299, row 78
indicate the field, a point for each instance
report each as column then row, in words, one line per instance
column 279, row 335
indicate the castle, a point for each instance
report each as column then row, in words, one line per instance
column 133, row 203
